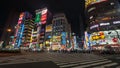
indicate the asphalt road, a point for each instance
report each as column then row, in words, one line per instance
column 46, row 64
column 62, row 60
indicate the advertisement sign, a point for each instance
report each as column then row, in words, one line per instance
column 116, row 22
column 37, row 18
column 21, row 18
column 87, row 42
column 98, row 36
column 20, row 35
column 90, row 2
column 44, row 15
column 104, row 24
column 63, row 40
column 75, row 42
column 94, row 26
column 48, row 28
column 105, row 37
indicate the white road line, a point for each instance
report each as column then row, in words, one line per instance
column 98, row 63
column 81, row 61
column 84, row 63
column 94, row 61
column 107, row 65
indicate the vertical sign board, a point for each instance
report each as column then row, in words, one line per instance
column 38, row 18
column 38, row 21
column 87, row 40
column 63, row 42
column 75, row 42
column 18, row 28
column 48, row 28
column 21, row 35
column 21, row 17
column 44, row 15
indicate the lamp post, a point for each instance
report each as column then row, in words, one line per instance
column 9, row 30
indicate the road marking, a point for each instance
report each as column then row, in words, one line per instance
column 81, row 61
column 94, row 61
column 107, row 65
column 98, row 63
column 84, row 63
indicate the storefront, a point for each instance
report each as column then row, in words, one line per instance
column 105, row 38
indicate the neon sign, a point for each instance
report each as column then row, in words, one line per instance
column 103, row 24
column 94, row 26
column 20, row 18
column 90, row 2
column 44, row 15
column 116, row 22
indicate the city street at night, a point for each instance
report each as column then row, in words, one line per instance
column 61, row 60
column 60, row 34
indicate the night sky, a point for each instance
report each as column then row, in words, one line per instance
column 72, row 8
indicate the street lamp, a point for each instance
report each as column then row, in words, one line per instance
column 9, row 30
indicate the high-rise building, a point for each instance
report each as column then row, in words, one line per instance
column 33, row 38
column 103, row 21
column 20, row 28
column 60, row 24
column 102, row 14
column 29, row 25
column 42, row 19
column 48, row 35
column 61, row 31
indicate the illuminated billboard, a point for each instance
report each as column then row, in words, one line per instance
column 20, row 35
column 48, row 28
column 21, row 18
column 90, row 2
column 37, row 18
column 41, row 16
column 63, row 39
column 44, row 15
column 105, row 37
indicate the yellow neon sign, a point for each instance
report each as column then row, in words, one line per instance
column 89, row 2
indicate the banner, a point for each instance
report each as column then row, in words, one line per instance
column 44, row 15
column 48, row 28
column 63, row 41
column 37, row 18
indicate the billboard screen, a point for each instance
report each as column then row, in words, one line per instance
column 21, row 18
column 63, row 38
column 105, row 37
column 37, row 18
column 44, row 15
column 48, row 28
column 90, row 2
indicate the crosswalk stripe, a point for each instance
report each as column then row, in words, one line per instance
column 107, row 65
column 74, row 60
column 82, row 61
column 94, row 61
column 98, row 63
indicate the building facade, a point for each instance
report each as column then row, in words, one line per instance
column 29, row 25
column 20, row 29
column 103, row 20
column 60, row 32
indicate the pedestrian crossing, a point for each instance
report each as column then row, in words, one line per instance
column 83, row 61
column 94, row 64
column 65, row 60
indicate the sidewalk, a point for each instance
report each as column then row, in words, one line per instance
column 9, row 54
